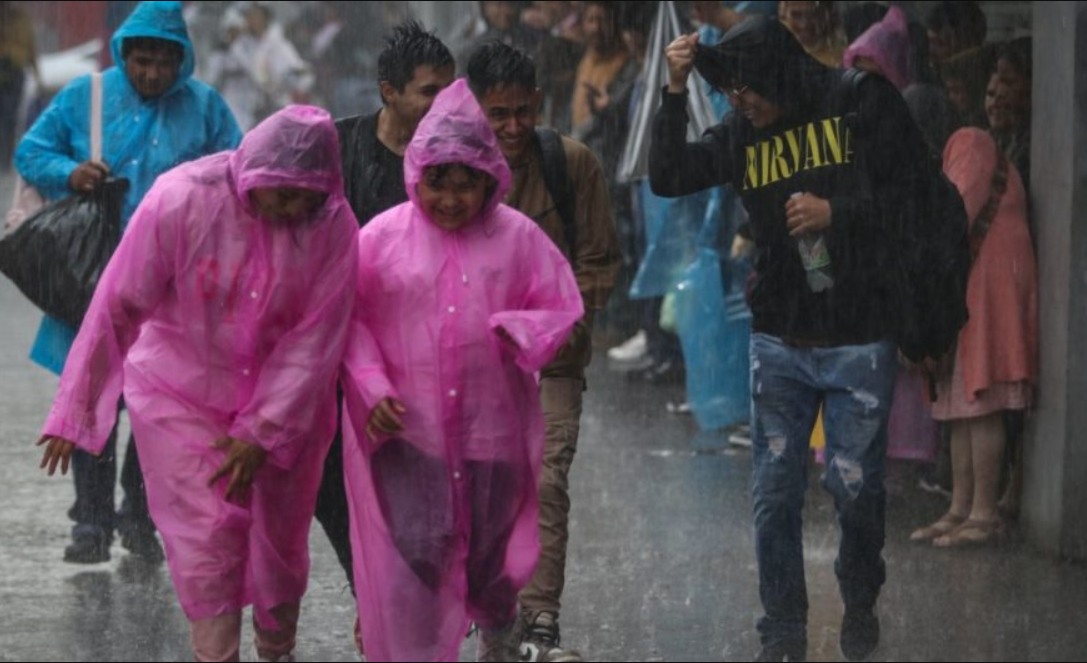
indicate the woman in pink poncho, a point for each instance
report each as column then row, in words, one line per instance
column 460, row 300
column 222, row 317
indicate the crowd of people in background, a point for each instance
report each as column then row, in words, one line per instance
column 534, row 146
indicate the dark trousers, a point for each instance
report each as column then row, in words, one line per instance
column 95, row 481
column 332, row 507
column 416, row 493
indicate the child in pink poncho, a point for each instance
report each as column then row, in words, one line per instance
column 222, row 317
column 460, row 301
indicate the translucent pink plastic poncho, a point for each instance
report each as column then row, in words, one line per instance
column 216, row 322
column 887, row 43
column 443, row 516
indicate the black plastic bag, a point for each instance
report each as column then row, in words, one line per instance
column 57, row 255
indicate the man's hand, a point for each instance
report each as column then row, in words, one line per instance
column 242, row 462
column 807, row 214
column 680, row 54
column 385, row 419
column 87, row 176
column 57, row 450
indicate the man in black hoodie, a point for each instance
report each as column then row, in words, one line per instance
column 413, row 68
column 826, row 164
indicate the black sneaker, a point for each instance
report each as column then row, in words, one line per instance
column 784, row 651
column 143, row 543
column 88, row 549
column 499, row 645
column 540, row 641
column 860, row 635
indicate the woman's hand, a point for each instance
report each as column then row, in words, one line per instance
column 242, row 462
column 57, row 450
column 385, row 419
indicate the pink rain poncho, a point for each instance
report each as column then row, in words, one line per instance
column 443, row 516
column 217, row 322
column 886, row 43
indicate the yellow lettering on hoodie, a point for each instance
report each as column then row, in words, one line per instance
column 751, row 176
column 817, row 144
column 793, row 138
column 813, row 154
column 781, row 166
column 764, row 153
column 833, row 140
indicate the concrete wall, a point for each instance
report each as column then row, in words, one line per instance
column 1055, row 503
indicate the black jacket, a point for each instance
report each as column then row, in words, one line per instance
column 854, row 145
column 373, row 175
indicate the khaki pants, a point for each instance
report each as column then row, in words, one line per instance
column 561, row 399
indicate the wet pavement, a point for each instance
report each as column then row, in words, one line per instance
column 662, row 564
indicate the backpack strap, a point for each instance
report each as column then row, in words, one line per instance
column 557, row 180
column 853, row 77
column 849, row 104
column 981, row 226
column 850, row 93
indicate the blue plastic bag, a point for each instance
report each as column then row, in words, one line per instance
column 672, row 227
column 714, row 326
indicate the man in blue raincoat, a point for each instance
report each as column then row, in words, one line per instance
column 154, row 117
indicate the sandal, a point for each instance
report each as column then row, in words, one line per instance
column 945, row 525
column 972, row 533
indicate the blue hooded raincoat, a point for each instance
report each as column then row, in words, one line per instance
column 141, row 138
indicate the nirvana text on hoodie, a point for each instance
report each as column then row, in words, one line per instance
column 827, row 142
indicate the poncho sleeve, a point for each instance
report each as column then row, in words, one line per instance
column 364, row 377
column 130, row 289
column 552, row 304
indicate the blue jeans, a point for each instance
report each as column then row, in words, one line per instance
column 855, row 386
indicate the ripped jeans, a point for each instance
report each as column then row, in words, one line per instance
column 855, row 386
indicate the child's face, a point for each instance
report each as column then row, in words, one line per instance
column 451, row 199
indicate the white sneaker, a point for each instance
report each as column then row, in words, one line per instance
column 633, row 349
column 541, row 643
column 741, row 437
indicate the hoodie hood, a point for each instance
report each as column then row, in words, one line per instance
column 456, row 131
column 297, row 147
column 762, row 54
column 160, row 20
column 887, row 43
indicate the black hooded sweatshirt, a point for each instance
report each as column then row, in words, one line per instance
column 853, row 144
